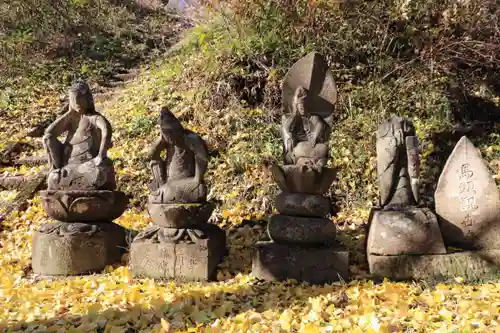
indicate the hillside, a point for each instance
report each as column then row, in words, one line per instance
column 437, row 62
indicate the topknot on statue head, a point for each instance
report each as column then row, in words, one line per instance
column 168, row 121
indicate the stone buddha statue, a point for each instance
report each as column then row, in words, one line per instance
column 397, row 163
column 309, row 94
column 305, row 134
column 179, row 177
column 80, row 162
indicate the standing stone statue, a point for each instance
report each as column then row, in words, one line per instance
column 81, row 193
column 398, row 163
column 398, row 226
column 468, row 200
column 181, row 244
column 303, row 245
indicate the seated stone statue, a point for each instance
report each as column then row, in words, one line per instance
column 178, row 178
column 80, row 162
column 305, row 134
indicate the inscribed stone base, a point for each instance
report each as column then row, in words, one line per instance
column 469, row 265
column 409, row 230
column 63, row 250
column 316, row 265
column 186, row 260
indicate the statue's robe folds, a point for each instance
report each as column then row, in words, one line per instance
column 297, row 136
column 78, row 152
column 177, row 172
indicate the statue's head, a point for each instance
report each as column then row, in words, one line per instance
column 403, row 124
column 171, row 128
column 396, row 126
column 299, row 101
column 80, row 97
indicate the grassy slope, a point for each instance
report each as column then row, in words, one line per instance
column 382, row 57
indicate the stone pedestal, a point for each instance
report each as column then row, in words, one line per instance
column 303, row 245
column 188, row 258
column 316, row 265
column 83, row 240
column 180, row 245
column 470, row 265
column 408, row 230
column 312, row 231
column 76, row 248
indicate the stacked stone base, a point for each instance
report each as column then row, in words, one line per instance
column 77, row 248
column 316, row 265
column 190, row 260
column 470, row 265
column 302, row 245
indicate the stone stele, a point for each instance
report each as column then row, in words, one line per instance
column 467, row 200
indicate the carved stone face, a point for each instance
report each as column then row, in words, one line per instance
column 171, row 128
column 301, row 109
column 80, row 97
column 300, row 101
column 78, row 102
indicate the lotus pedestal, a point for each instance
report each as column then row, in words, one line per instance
column 83, row 239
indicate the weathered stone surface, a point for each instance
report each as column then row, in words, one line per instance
column 179, row 177
column 74, row 249
column 467, row 200
column 273, row 261
column 302, row 204
column 180, row 215
column 408, row 230
column 80, row 162
column 469, row 265
column 313, row 73
column 398, row 163
column 185, row 260
column 81, row 206
column 301, row 230
column 31, row 160
column 309, row 94
column 303, row 178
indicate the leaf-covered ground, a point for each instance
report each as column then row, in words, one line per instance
column 223, row 81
